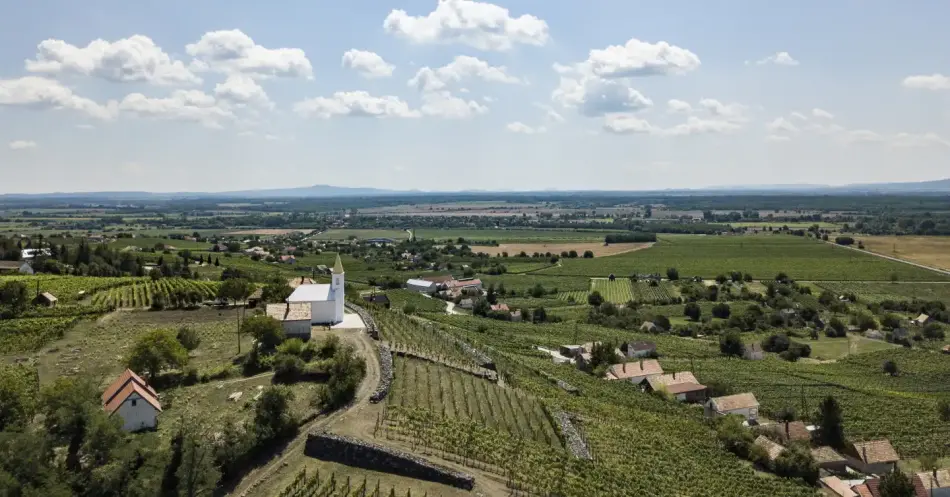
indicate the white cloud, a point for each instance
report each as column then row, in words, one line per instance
column 355, row 104
column 445, row 105
column 629, row 124
column 927, row 82
column 732, row 112
column 822, row 114
column 462, row 67
column 368, row 64
column 85, row 126
column 678, row 106
column 22, row 144
column 898, row 140
column 232, row 51
column 800, row 116
column 778, row 138
column 522, row 128
column 778, row 58
column 182, row 105
column 43, row 93
column 481, row 25
column 594, row 96
column 782, row 125
column 243, row 90
column 133, row 59
column 640, row 58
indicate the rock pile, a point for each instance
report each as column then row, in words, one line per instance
column 366, row 455
column 385, row 374
column 575, row 444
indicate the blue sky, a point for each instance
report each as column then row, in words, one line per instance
column 458, row 94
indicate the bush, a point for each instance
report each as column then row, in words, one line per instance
column 266, row 330
column 890, row 367
column 346, row 373
column 844, row 240
column 287, row 367
column 293, row 346
column 409, row 308
column 730, row 344
column 595, row 299
column 188, row 338
column 776, row 343
column 692, row 311
column 721, row 310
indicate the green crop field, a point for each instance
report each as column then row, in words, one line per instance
column 174, row 292
column 877, row 292
column 763, row 256
column 362, row 234
column 145, row 242
column 622, row 290
column 67, row 288
column 526, row 281
column 29, row 334
column 399, row 298
column 514, row 235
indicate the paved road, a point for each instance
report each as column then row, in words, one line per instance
column 895, row 259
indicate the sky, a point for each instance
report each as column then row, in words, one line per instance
column 462, row 94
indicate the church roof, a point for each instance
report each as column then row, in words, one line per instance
column 311, row 293
column 338, row 265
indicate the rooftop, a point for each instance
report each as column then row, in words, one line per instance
column 876, row 451
column 774, row 450
column 837, row 486
column 418, row 282
column 671, row 379
column 310, row 293
column 734, row 402
column 636, row 368
column 299, row 311
column 826, row 454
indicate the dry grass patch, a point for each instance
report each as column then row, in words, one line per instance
column 928, row 250
column 598, row 248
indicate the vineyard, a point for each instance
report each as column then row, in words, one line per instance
column 67, row 288
column 623, row 290
column 29, row 334
column 452, row 394
column 878, row 292
column 173, row 292
column 318, row 485
column 405, row 333
column 579, row 296
column 399, row 299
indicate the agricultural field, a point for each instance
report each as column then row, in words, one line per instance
column 525, row 267
column 526, row 281
column 147, row 243
column 399, row 298
column 622, row 290
column 878, row 292
column 457, row 395
column 317, row 478
column 933, row 251
column 763, row 256
column 361, row 234
column 825, row 348
column 267, row 232
column 792, row 225
column 516, row 236
column 598, row 248
column 67, row 288
column 30, row 334
column 406, row 333
column 579, row 296
column 172, row 292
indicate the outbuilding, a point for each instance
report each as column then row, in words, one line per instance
column 293, row 317
column 421, row 286
column 11, row 267
column 741, row 404
column 45, row 299
column 132, row 399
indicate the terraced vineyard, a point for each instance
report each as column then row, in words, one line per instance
column 453, row 394
column 317, row 485
column 623, row 290
column 399, row 299
column 579, row 296
column 67, row 288
column 877, row 292
column 405, row 333
column 174, row 292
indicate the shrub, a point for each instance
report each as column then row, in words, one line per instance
column 293, row 346
column 730, row 344
column 409, row 308
column 287, row 367
column 777, row 343
column 188, row 338
column 721, row 310
column 844, row 240
column 890, row 367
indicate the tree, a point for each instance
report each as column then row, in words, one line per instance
column 890, row 367
column 721, row 310
column 272, row 414
column 896, row 484
column 217, row 262
column 595, row 299
column 346, row 373
column 15, row 297
column 672, row 274
column 409, row 309
column 943, row 410
column 539, row 315
column 266, row 330
column 234, row 289
column 836, row 326
column 155, row 351
column 778, row 342
column 721, row 279
column 692, row 311
column 663, row 322
column 933, row 331
column 588, row 254
column 276, row 292
column 602, row 355
column 730, row 344
column 797, row 462
column 830, row 423
column 490, row 295
column 891, row 321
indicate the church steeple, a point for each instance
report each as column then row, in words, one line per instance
column 338, row 265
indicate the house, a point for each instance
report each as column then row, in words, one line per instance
column 500, row 308
column 795, row 431
column 295, row 318
column 874, row 457
column 326, row 301
column 290, row 250
column 741, row 404
column 10, row 267
column 682, row 386
column 421, row 286
column 829, row 459
column 133, row 400
column 440, row 281
column 257, row 251
column 219, row 247
column 571, row 350
column 473, row 286
column 636, row 372
column 921, row 320
column 771, row 448
column 753, row 352
column 45, row 299
column 288, row 259
column 870, row 488
column 467, row 303
column 378, row 299
column 836, row 486
column 638, row 349
column 932, row 484
column 255, row 298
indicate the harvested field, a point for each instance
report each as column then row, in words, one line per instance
column 598, row 248
column 267, row 231
column 927, row 250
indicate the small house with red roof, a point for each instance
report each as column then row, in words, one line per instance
column 131, row 398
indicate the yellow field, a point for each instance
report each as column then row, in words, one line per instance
column 928, row 250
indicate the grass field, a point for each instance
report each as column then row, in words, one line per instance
column 598, row 248
column 790, row 225
column 931, row 251
column 149, row 242
column 763, row 256
column 836, row 348
column 622, row 290
column 870, row 292
column 362, row 234
column 515, row 235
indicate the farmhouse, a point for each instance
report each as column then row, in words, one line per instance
column 326, row 301
column 742, row 404
column 753, row 352
column 440, row 280
column 421, row 286
column 932, row 484
column 635, row 372
column 255, row 298
column 133, row 400
column 638, row 349
column 771, row 448
column 295, row 318
column 870, row 488
column 829, row 459
column 10, row 267
column 795, row 431
column 873, row 457
column 473, row 286
column 682, row 386
column 45, row 299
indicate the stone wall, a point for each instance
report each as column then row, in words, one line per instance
column 371, row 328
column 385, row 373
column 366, row 455
column 572, row 438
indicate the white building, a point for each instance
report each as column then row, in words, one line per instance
column 295, row 318
column 15, row 267
column 422, row 286
column 326, row 301
column 742, row 404
column 30, row 253
column 133, row 400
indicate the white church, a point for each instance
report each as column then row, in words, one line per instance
column 326, row 301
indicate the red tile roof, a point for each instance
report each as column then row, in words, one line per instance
column 876, row 451
column 117, row 385
column 125, row 385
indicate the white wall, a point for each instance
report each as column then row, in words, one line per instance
column 297, row 329
column 323, row 312
column 138, row 417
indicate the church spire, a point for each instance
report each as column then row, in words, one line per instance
column 338, row 266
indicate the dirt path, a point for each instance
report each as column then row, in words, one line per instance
column 450, row 308
column 367, row 349
column 890, row 258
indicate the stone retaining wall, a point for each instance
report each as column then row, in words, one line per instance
column 371, row 328
column 572, row 438
column 385, row 373
column 366, row 455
